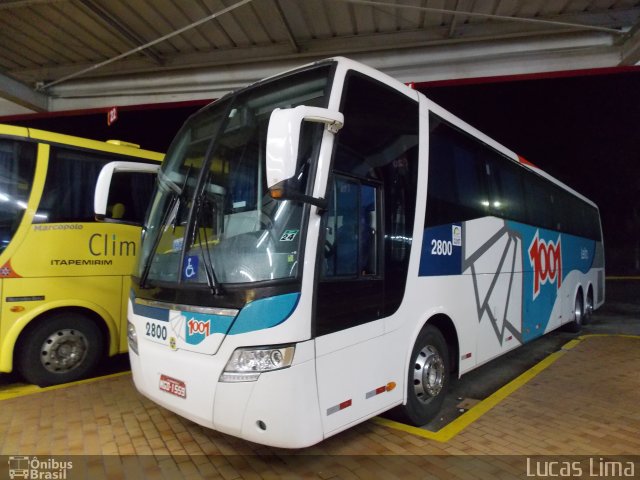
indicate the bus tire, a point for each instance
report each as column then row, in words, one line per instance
column 588, row 308
column 578, row 315
column 427, row 378
column 60, row 348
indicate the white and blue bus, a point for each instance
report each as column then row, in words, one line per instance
column 328, row 244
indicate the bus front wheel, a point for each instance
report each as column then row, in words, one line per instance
column 428, row 377
column 61, row 348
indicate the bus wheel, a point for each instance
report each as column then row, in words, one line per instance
column 588, row 308
column 61, row 348
column 428, row 377
column 578, row 315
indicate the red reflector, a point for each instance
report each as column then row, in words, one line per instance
column 524, row 161
column 345, row 404
column 380, row 390
column 468, row 355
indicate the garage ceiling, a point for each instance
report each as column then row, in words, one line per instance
column 69, row 54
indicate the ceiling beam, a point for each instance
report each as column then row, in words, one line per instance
column 287, row 27
column 208, row 79
column 465, row 33
column 631, row 46
column 22, row 95
column 454, row 20
column 114, row 25
column 488, row 16
column 100, row 65
column 415, row 65
column 26, row 3
column 340, row 45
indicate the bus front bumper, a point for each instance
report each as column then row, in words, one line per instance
column 279, row 409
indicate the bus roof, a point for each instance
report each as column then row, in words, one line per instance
column 123, row 148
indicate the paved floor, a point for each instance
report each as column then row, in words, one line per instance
column 582, row 401
column 577, row 406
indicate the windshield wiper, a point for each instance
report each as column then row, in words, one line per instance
column 175, row 202
column 212, row 281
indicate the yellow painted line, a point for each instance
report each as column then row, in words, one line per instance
column 21, row 390
column 621, row 335
column 572, row 343
column 449, row 431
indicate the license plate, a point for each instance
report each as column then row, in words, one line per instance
column 173, row 386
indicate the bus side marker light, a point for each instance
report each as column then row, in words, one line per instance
column 17, row 309
column 276, row 192
column 340, row 406
column 385, row 388
column 466, row 356
column 375, row 392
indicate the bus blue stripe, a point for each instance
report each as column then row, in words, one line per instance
column 265, row 313
column 161, row 314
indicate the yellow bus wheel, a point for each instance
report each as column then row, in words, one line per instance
column 60, row 348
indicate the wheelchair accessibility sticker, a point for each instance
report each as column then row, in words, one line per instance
column 190, row 269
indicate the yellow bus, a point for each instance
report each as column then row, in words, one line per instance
column 64, row 278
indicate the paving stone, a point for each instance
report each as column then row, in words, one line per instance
column 586, row 403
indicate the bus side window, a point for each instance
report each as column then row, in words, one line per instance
column 130, row 195
column 351, row 243
column 70, row 185
column 457, row 189
column 507, row 190
column 539, row 206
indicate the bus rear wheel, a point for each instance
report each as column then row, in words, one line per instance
column 588, row 308
column 578, row 315
column 428, row 377
column 61, row 348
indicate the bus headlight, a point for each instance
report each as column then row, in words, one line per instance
column 246, row 364
column 133, row 337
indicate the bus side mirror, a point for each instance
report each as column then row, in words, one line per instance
column 104, row 188
column 283, row 140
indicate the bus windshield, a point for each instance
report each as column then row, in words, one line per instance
column 212, row 220
column 17, row 167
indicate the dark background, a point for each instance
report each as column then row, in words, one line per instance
column 583, row 129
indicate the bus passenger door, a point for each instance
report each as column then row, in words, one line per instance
column 122, row 196
column 349, row 303
column 351, row 277
column 364, row 251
